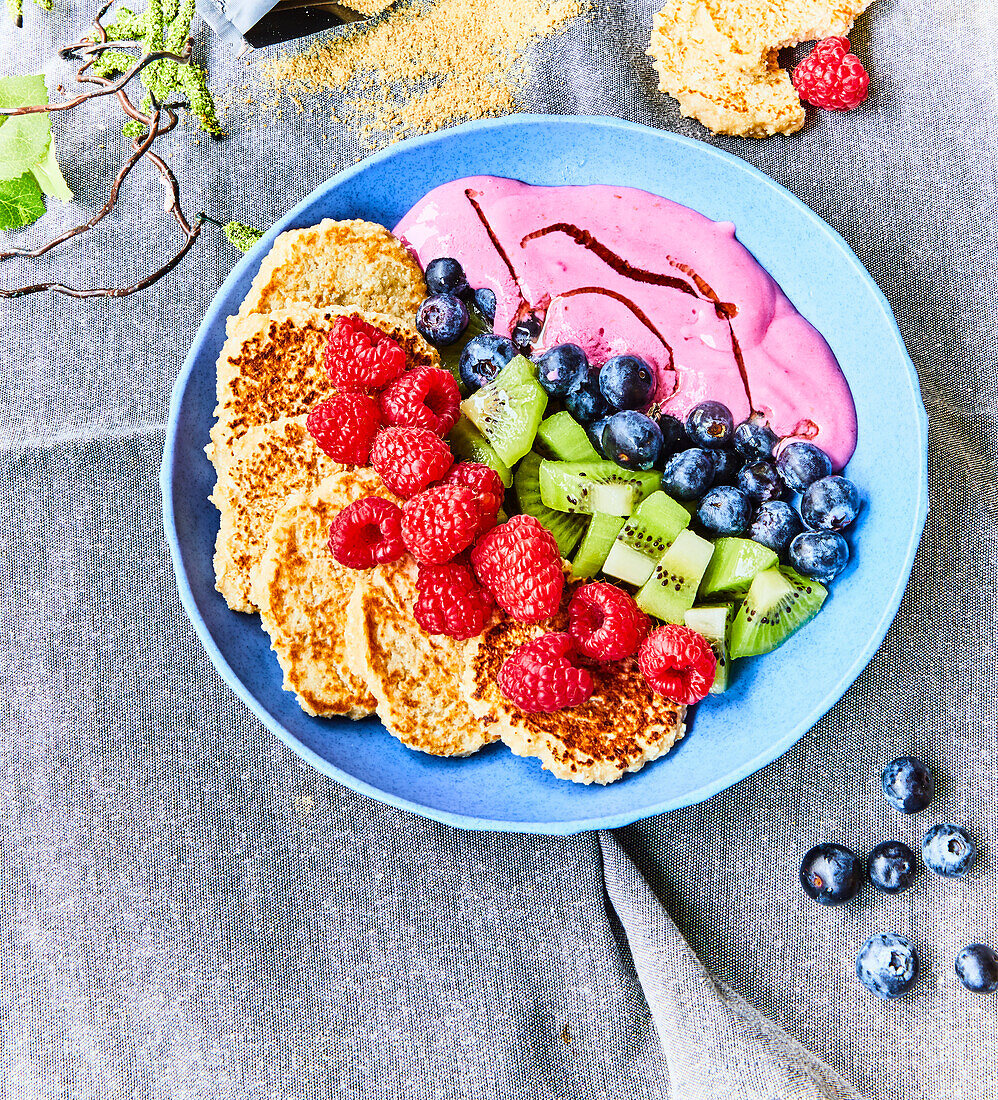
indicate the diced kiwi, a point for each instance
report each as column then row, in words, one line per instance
column 712, row 623
column 734, row 564
column 468, row 443
column 595, row 487
column 450, row 356
column 645, row 537
column 566, row 528
column 595, row 545
column 561, row 436
column 672, row 587
column 777, row 603
column 508, row 410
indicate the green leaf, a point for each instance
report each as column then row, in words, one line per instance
column 242, row 236
column 21, row 202
column 50, row 177
column 24, row 139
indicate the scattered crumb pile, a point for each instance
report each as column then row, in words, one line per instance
column 425, row 65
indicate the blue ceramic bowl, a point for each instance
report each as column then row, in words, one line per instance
column 774, row 699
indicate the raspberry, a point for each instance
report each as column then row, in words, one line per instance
column 541, row 676
column 451, row 601
column 344, row 426
column 605, row 621
column 426, row 397
column 678, row 663
column 409, row 459
column 832, row 77
column 441, row 522
column 366, row 533
column 359, row 356
column 484, row 480
column 519, row 563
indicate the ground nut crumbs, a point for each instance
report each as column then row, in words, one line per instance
column 425, row 65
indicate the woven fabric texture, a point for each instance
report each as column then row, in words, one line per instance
column 190, row 911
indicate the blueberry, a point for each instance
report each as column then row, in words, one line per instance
column 526, row 332
column 710, row 424
column 760, row 481
column 626, row 382
column 560, row 367
column 675, row 437
column 584, row 400
column 776, row 525
column 802, row 464
column 595, row 433
column 632, row 440
column 831, row 874
column 891, row 867
column 908, row 784
column 754, row 440
column 948, row 850
column 485, row 303
column 977, row 968
column 727, row 463
column 887, row 965
column 819, row 554
column 441, row 319
column 483, row 358
column 725, row 510
column 445, row 276
column 688, row 474
column 831, row 504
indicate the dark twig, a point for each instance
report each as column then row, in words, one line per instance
column 157, row 119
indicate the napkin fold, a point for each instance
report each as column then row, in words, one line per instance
column 715, row 1043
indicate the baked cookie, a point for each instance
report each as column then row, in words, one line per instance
column 303, row 594
column 414, row 676
column 719, row 58
column 337, row 263
column 620, row 728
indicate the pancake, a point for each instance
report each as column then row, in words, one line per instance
column 350, row 264
column 256, row 475
column 414, row 676
column 619, row 729
column 303, row 594
column 719, row 58
column 271, row 366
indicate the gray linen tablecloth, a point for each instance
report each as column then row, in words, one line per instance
column 190, row 911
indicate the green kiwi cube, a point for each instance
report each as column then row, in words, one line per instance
column 595, row 487
column 562, row 437
column 645, row 537
column 712, row 623
column 509, row 409
column 566, row 527
column 734, row 565
column 468, row 443
column 595, row 545
column 778, row 602
column 672, row 587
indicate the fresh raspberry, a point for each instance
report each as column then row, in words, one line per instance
column 409, row 459
column 359, row 356
column 542, row 676
column 367, row 533
column 426, row 397
column 344, row 426
column 605, row 621
column 441, row 522
column 484, row 480
column 451, row 601
column 519, row 563
column 832, row 77
column 678, row 663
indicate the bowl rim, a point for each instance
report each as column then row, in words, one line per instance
column 773, row 751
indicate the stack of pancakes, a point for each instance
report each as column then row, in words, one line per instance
column 346, row 639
